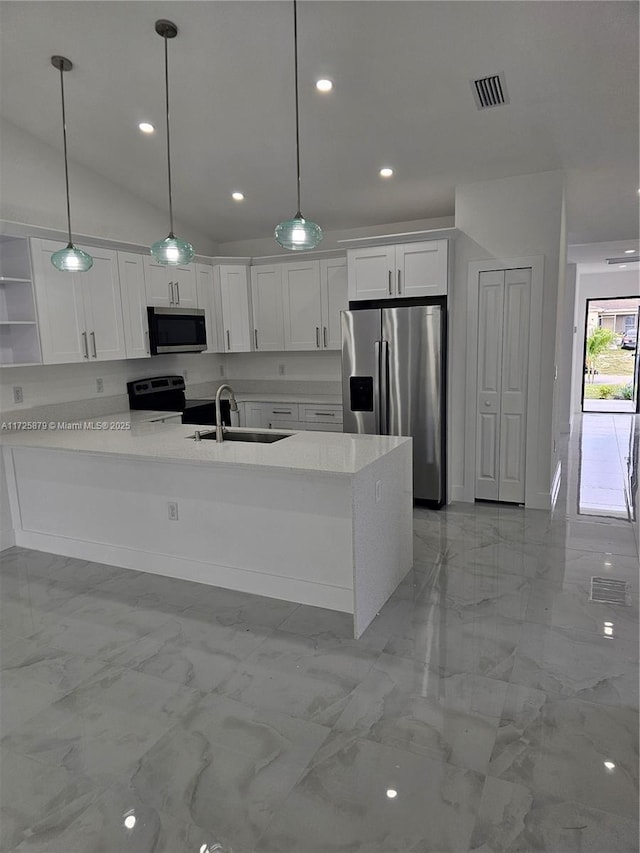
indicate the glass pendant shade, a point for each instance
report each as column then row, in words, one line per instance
column 71, row 259
column 172, row 251
column 298, row 234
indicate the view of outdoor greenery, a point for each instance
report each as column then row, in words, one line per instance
column 608, row 369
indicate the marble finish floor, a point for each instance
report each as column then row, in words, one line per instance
column 490, row 707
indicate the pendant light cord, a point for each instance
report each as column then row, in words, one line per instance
column 66, row 165
column 166, row 86
column 295, row 50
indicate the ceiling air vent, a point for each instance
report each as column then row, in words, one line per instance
column 490, row 91
column 625, row 260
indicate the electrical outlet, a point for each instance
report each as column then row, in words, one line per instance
column 17, row 394
column 99, row 386
column 378, row 491
column 281, row 370
column 172, row 506
column 185, row 375
column 222, row 370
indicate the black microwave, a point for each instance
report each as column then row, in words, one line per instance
column 176, row 330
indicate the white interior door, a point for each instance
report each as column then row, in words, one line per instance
column 490, row 311
column 503, row 364
column 515, row 367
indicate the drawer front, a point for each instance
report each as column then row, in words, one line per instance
column 320, row 427
column 293, row 425
column 321, row 414
column 282, row 412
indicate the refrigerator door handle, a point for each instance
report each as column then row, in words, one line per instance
column 376, row 388
column 384, row 389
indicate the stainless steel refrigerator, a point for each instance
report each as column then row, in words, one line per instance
column 393, row 383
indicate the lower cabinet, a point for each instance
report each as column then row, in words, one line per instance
column 296, row 416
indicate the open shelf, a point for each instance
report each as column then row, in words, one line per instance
column 19, row 341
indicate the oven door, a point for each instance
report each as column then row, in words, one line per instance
column 176, row 330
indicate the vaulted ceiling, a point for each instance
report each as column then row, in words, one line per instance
column 402, row 97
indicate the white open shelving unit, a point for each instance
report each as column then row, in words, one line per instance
column 19, row 341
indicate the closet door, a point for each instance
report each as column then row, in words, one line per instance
column 515, row 367
column 490, row 313
column 503, row 364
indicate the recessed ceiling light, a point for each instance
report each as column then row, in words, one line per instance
column 609, row 765
column 237, row 196
column 392, row 793
column 629, row 251
column 324, row 85
column 622, row 266
column 386, row 172
column 146, row 127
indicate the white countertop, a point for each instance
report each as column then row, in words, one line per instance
column 326, row 452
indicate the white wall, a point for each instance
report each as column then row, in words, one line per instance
column 593, row 286
column 32, row 192
column 61, row 383
column 268, row 246
column 506, row 218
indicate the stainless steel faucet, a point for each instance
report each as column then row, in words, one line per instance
column 234, row 408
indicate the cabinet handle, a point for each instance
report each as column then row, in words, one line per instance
column 324, row 336
column 390, row 281
column 148, row 343
column 318, row 337
column 255, row 336
column 326, row 414
column 281, row 412
column 93, row 344
column 228, row 340
column 85, row 345
column 399, row 283
column 170, row 293
column 177, row 283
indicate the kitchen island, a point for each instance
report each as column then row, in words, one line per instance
column 316, row 518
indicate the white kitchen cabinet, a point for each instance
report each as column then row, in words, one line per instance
column 254, row 415
column 266, row 300
column 334, row 299
column 19, row 341
column 302, row 305
column 169, row 286
column 80, row 314
column 134, row 305
column 404, row 270
column 371, row 272
column 210, row 299
column 236, row 306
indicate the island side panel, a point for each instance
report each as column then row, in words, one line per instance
column 383, row 531
column 282, row 535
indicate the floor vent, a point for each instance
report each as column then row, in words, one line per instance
column 609, row 591
column 490, row 91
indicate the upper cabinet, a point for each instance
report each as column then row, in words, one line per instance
column 266, row 300
column 169, row 286
column 404, row 270
column 233, row 281
column 134, row 304
column 210, row 299
column 19, row 341
column 297, row 305
column 80, row 314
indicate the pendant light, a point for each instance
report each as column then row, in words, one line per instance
column 69, row 259
column 297, row 233
column 171, row 251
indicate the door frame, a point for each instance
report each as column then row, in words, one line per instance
column 536, row 264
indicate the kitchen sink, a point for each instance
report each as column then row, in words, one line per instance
column 256, row 437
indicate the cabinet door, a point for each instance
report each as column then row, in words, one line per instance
column 302, row 313
column 157, row 283
column 333, row 294
column 185, row 293
column 255, row 415
column 60, row 307
column 234, row 289
column 371, row 272
column 421, row 268
column 103, row 307
column 208, row 292
column 134, row 304
column 266, row 302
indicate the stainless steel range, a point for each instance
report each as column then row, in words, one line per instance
column 167, row 394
